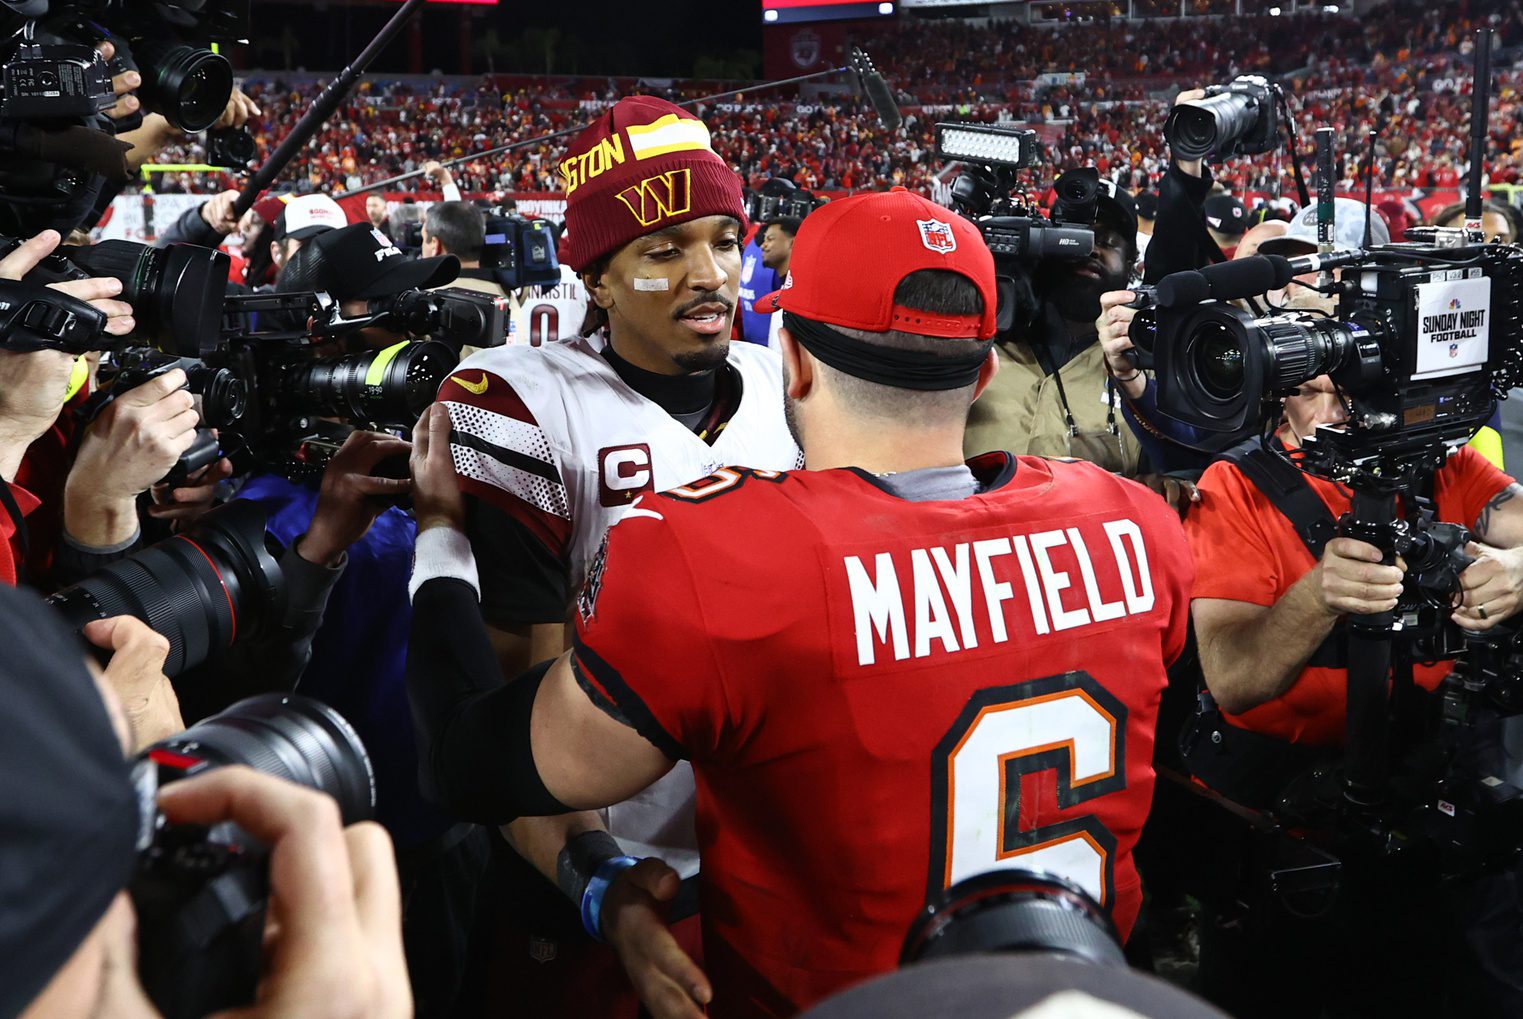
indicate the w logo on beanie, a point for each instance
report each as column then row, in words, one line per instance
column 660, row 197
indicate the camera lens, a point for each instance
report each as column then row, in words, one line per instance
column 176, row 292
column 201, row 589
column 290, row 737
column 1014, row 910
column 1194, row 132
column 1219, row 361
column 383, row 387
column 224, row 396
column 188, row 85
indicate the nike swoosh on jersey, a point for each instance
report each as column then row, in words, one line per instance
column 473, row 387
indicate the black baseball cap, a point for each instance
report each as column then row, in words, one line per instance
column 1118, row 202
column 1226, row 215
column 358, row 261
column 1147, row 204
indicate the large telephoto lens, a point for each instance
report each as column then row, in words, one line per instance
column 1014, row 910
column 290, row 737
column 190, row 86
column 383, row 387
column 1209, row 127
column 201, row 590
column 176, row 292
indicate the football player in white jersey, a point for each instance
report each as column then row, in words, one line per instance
column 552, row 443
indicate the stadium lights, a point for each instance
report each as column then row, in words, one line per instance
column 1274, row 12
column 769, row 15
column 986, row 144
column 885, row 8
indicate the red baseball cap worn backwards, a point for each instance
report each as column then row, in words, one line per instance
column 850, row 256
column 643, row 166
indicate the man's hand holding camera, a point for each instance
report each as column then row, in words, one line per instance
column 1352, row 580
column 351, row 497
column 1113, row 325
column 1492, row 585
column 34, row 384
column 132, row 444
column 333, row 942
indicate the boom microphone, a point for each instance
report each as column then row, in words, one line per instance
column 1245, row 277
column 877, row 90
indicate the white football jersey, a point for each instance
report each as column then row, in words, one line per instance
column 552, row 436
column 544, row 315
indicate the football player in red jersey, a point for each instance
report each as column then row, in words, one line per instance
column 890, row 672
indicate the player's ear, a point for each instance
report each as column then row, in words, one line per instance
column 596, row 288
column 986, row 373
column 798, row 366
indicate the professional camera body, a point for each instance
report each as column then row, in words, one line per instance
column 1012, row 224
column 201, row 893
column 1236, row 119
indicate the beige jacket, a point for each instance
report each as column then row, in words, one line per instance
column 1022, row 412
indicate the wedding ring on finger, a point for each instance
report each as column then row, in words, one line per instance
column 1480, row 610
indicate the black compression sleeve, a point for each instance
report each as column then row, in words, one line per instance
column 475, row 758
column 521, row 580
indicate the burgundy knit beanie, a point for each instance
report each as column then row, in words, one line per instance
column 642, row 166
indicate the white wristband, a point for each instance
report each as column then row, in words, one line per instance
column 443, row 552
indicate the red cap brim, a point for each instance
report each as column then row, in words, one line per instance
column 767, row 304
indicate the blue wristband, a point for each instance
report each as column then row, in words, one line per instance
column 592, row 898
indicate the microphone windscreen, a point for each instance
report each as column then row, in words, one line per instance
column 1245, row 277
column 1284, row 271
column 883, row 100
column 1182, row 289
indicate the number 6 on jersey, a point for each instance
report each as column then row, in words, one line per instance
column 1069, row 724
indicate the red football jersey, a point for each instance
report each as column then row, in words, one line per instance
column 882, row 697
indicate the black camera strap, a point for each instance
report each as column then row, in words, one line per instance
column 1287, row 489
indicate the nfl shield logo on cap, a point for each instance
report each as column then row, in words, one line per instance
column 937, row 236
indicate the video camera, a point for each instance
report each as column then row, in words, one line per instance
column 779, row 198
column 176, row 295
column 268, row 395
column 520, row 252
column 1422, row 343
column 55, row 83
column 1013, row 224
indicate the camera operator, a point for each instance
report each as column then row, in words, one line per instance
column 459, row 228
column 34, row 387
column 1053, row 395
column 68, row 946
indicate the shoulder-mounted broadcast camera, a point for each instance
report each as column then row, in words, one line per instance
column 1012, row 224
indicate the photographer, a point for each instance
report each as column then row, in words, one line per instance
column 1054, row 395
column 68, row 946
column 34, row 387
column 1181, row 237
